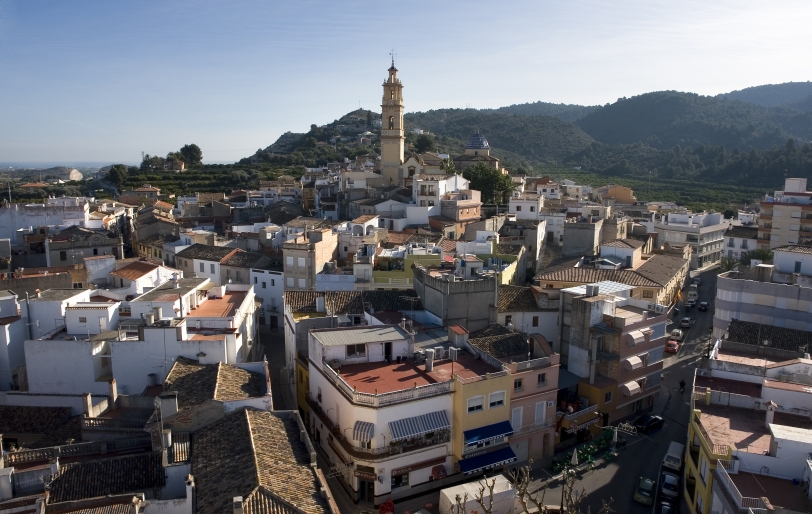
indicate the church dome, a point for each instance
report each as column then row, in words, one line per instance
column 477, row 142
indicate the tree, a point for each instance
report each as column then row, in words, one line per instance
column 762, row 254
column 117, row 174
column 425, row 143
column 448, row 166
column 728, row 264
column 192, row 154
column 493, row 185
column 729, row 214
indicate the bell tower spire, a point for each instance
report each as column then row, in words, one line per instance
column 392, row 135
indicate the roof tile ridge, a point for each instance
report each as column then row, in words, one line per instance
column 216, row 380
column 253, row 448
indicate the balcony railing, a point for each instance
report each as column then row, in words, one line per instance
column 73, row 450
column 591, row 408
column 374, row 454
column 717, row 449
column 382, row 399
column 529, row 429
column 743, row 502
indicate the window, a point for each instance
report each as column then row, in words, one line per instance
column 517, row 384
column 648, row 294
column 239, row 276
column 535, row 321
column 82, row 319
column 797, row 266
column 228, row 273
column 261, row 320
column 290, row 281
column 289, row 261
column 319, row 394
column 496, row 399
column 202, row 267
column 422, row 203
column 302, row 283
column 518, row 208
column 356, row 350
column 607, row 398
column 255, row 280
column 703, row 470
column 263, row 285
column 345, row 248
column 541, row 412
column 211, row 268
column 508, row 320
column 532, row 209
column 516, row 418
column 273, row 283
column 542, row 379
column 95, row 251
column 63, row 256
column 431, row 203
column 301, row 262
column 475, row 403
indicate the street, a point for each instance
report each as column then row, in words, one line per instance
column 617, row 480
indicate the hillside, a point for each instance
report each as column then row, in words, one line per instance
column 536, row 138
column 804, row 104
column 667, row 118
column 566, row 112
column 770, row 95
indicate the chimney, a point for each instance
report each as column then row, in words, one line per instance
column 169, row 404
column 458, row 336
column 158, row 313
column 166, row 438
column 54, row 465
column 190, row 490
column 429, row 359
column 87, row 404
column 238, row 508
column 771, row 407
column 320, row 304
column 152, row 380
column 113, row 395
column 150, row 319
column 175, row 282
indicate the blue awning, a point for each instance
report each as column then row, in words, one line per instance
column 363, row 431
column 488, row 433
column 419, row 425
column 489, row 460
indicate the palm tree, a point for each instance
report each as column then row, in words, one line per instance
column 728, row 264
column 448, row 166
column 761, row 254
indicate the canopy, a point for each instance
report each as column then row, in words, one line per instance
column 488, row 460
column 487, row 433
column 637, row 336
column 633, row 363
column 419, row 425
column 630, row 388
column 363, row 431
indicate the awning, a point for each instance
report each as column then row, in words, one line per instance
column 633, row 363
column 488, row 460
column 637, row 336
column 576, row 428
column 487, row 433
column 567, row 379
column 363, row 431
column 630, row 388
column 419, row 425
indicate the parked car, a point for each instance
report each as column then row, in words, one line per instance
column 669, row 486
column 677, row 334
column 671, row 346
column 644, row 492
column 647, row 422
column 667, row 508
column 703, row 306
column 686, row 322
column 698, row 281
column 691, row 302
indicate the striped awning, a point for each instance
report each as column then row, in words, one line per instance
column 363, row 431
column 637, row 336
column 419, row 425
column 630, row 388
column 633, row 363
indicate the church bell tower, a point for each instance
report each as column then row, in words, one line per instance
column 392, row 137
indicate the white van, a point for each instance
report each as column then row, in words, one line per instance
column 673, row 457
column 676, row 334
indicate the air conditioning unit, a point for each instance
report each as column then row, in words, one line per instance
column 650, row 306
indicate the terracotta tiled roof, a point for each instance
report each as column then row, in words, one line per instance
column 305, row 222
column 102, row 477
column 365, row 218
column 197, row 383
column 517, row 299
column 352, row 302
column 499, row 342
column 794, row 249
column 158, row 239
column 623, row 243
column 448, row 245
column 32, row 420
column 135, row 270
column 591, row 275
column 661, row 268
column 743, row 232
column 163, row 205
column 122, row 504
column 747, row 332
column 444, row 220
column 246, row 260
column 508, row 249
column 257, row 455
column 206, row 252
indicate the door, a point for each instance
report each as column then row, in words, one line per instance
column 541, row 412
column 102, row 325
column 366, row 490
column 274, row 323
column 387, row 351
column 516, row 418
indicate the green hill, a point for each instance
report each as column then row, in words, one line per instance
column 535, row 138
column 667, row 118
column 566, row 112
column 770, row 95
column 804, row 104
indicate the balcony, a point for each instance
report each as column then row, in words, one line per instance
column 383, row 399
column 742, row 502
column 376, row 454
column 718, row 450
column 529, row 429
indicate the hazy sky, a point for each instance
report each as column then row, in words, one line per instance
column 104, row 80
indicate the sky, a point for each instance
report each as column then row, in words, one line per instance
column 101, row 81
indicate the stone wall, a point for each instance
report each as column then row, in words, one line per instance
column 469, row 303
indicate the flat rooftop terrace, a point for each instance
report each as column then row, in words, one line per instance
column 381, row 377
column 748, row 359
column 781, row 493
column 729, row 386
column 744, row 429
column 224, row 307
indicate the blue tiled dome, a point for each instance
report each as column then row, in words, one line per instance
column 477, row 142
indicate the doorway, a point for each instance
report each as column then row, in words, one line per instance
column 274, row 323
column 366, row 491
column 387, row 351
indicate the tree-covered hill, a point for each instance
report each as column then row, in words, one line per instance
column 566, row 112
column 804, row 104
column 536, row 138
column 667, row 118
column 770, row 95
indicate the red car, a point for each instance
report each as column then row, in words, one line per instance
column 672, row 346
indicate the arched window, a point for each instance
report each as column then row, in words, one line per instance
column 391, row 123
column 391, row 94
